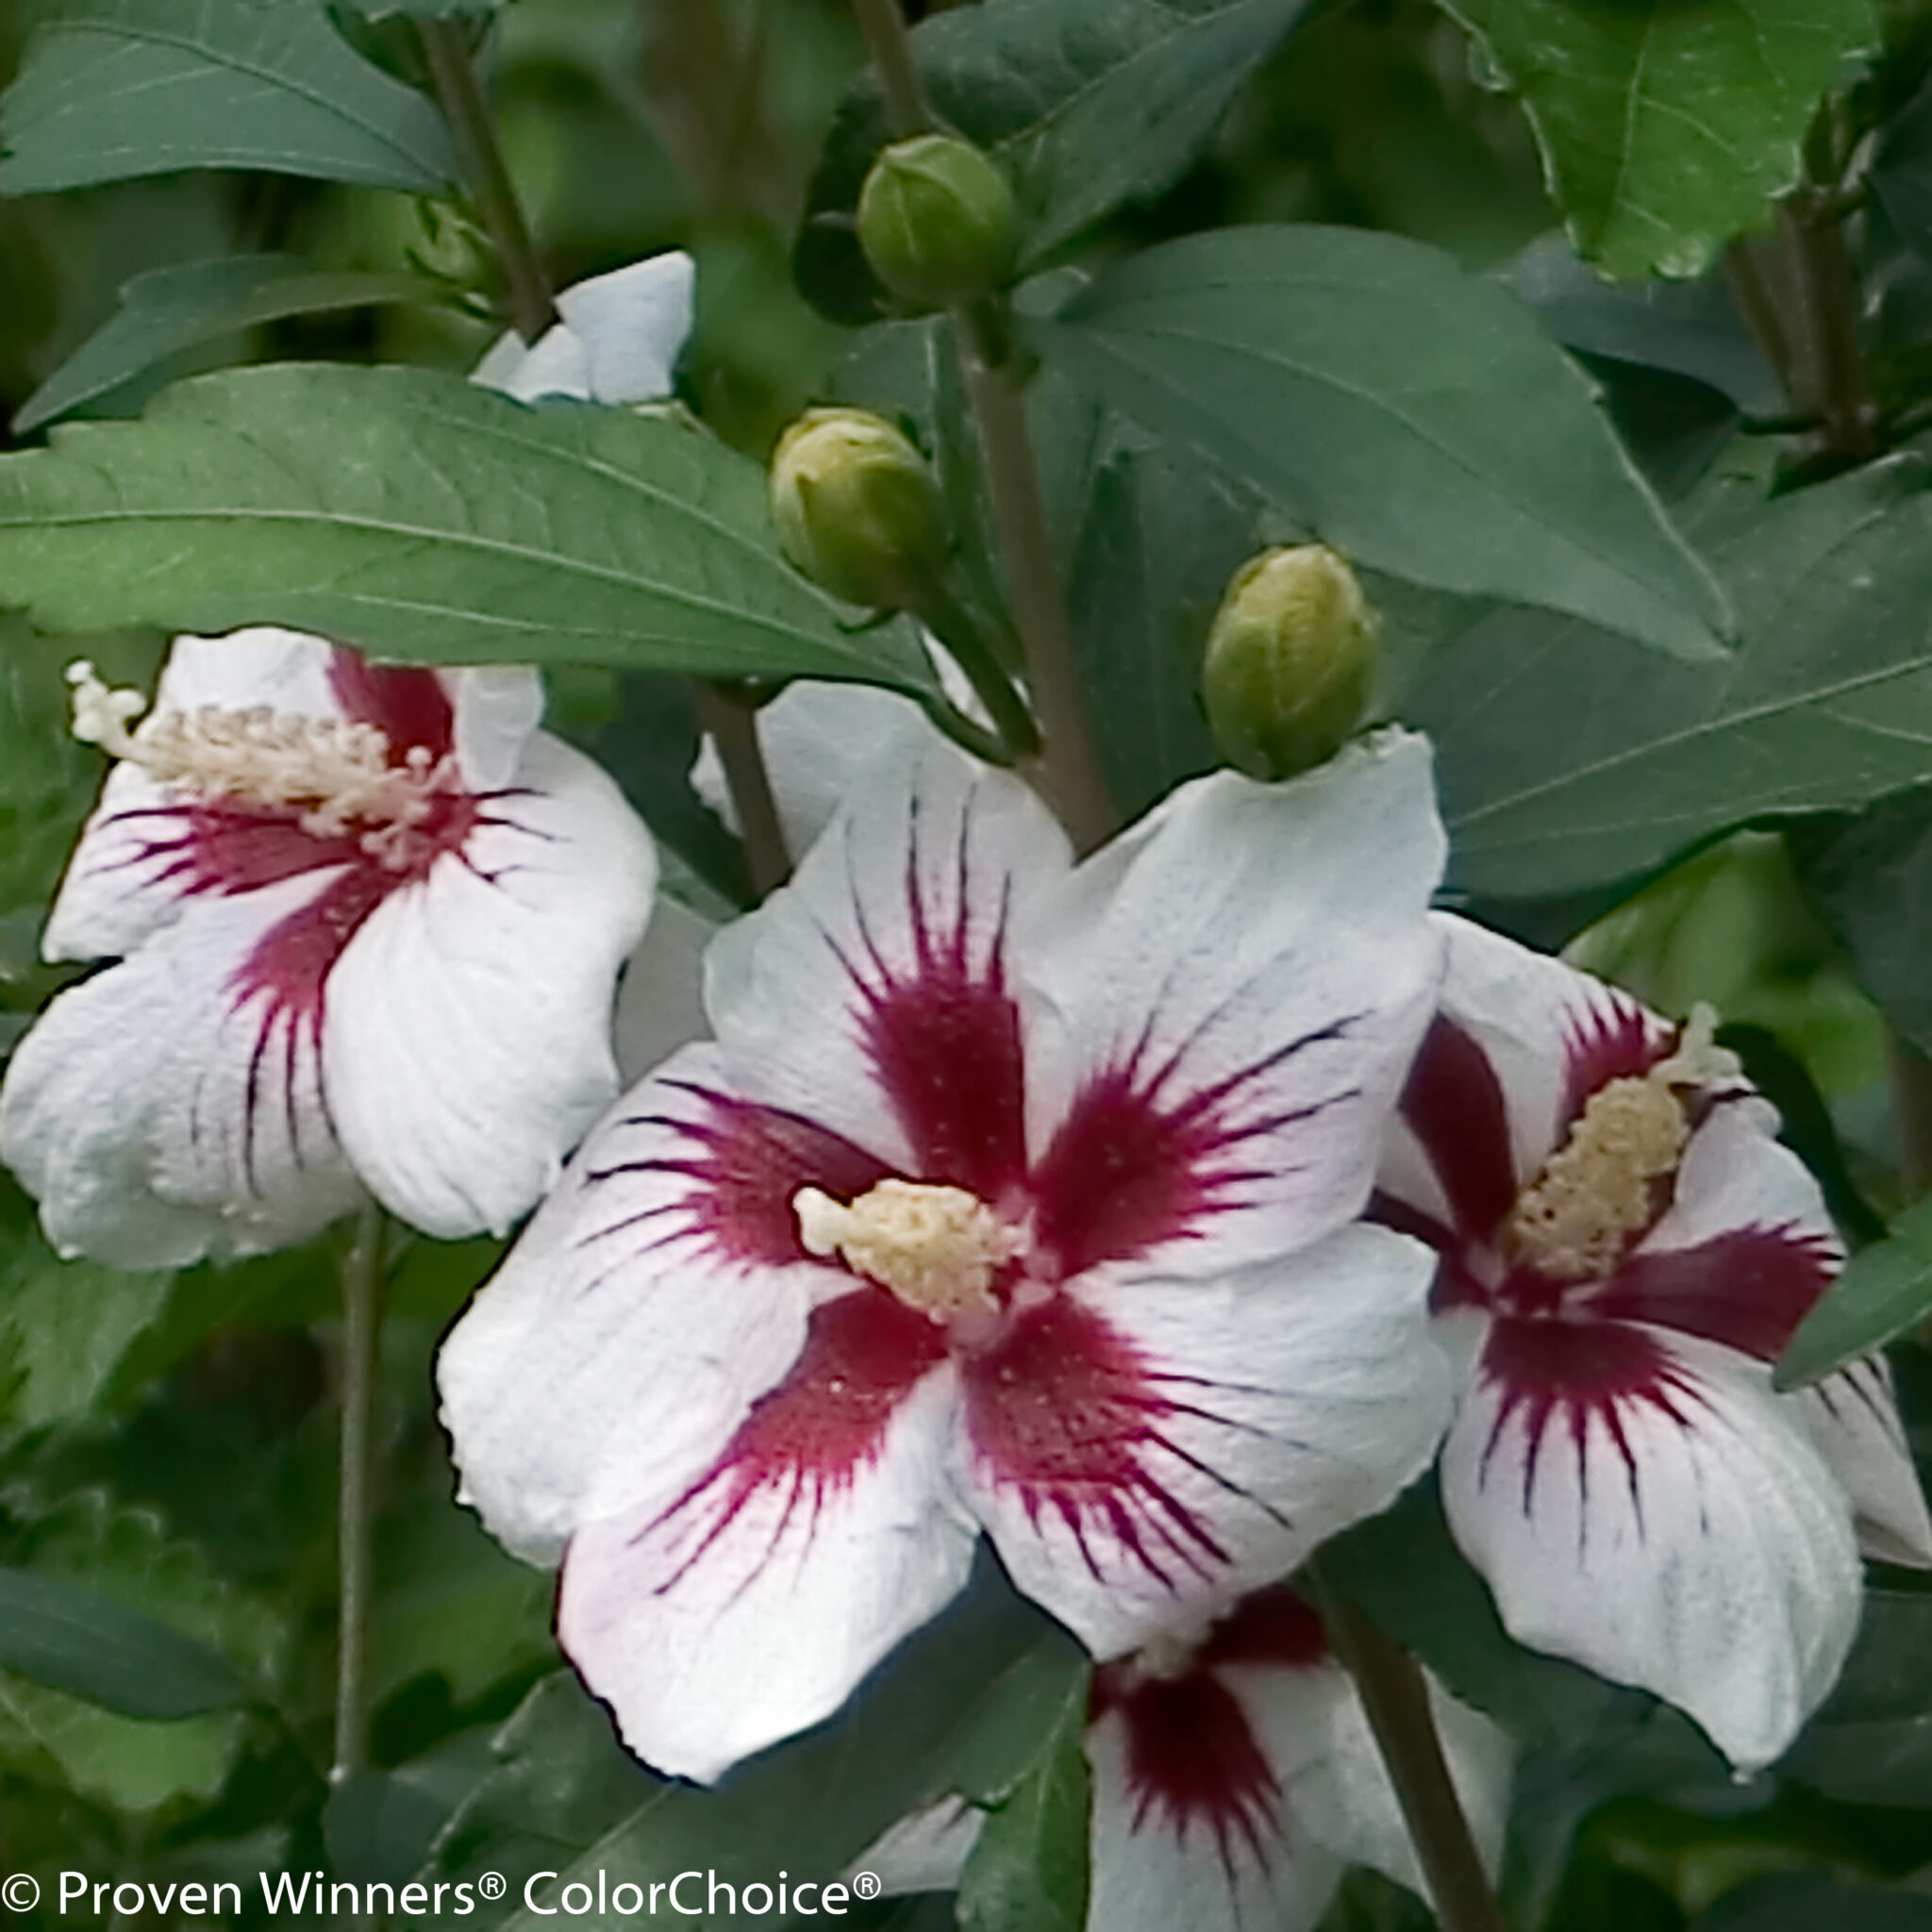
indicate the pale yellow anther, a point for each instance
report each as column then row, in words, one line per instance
column 1574, row 1219
column 338, row 772
column 936, row 1247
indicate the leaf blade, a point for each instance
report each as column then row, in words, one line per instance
column 113, row 89
column 1411, row 415
column 425, row 520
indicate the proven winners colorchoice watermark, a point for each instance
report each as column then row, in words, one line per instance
column 690, row 1895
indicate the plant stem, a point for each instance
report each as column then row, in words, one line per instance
column 460, row 95
column 890, row 45
column 1395, row 1695
column 361, row 1327
column 1824, row 318
column 1068, row 769
column 732, row 722
column 948, row 621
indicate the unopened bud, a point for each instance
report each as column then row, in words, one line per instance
column 857, row 509
column 936, row 220
column 1291, row 662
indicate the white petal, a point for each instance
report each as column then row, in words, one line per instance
column 498, row 707
column 1256, row 960
column 633, row 324
column 625, row 1337
column 1341, row 1788
column 718, row 1620
column 1149, row 1876
column 1853, row 1418
column 1154, row 1446
column 893, row 941
column 1670, row 1527
column 1735, row 1175
column 159, row 1113
column 468, row 1041
column 660, row 1002
column 555, row 365
column 618, row 343
column 123, row 882
column 817, row 739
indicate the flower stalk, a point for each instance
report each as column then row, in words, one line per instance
column 1067, row 772
column 361, row 1276
column 459, row 94
column 1396, row 1697
column 732, row 721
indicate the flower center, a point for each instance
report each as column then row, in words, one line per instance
column 936, row 1247
column 337, row 773
column 1573, row 1222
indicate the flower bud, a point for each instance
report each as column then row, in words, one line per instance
column 936, row 220
column 1290, row 663
column 857, row 509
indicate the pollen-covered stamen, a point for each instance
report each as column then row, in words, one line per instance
column 936, row 1247
column 1574, row 1221
column 339, row 773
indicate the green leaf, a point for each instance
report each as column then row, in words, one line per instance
column 425, row 518
column 1047, row 86
column 70, row 1640
column 65, row 1328
column 1569, row 759
column 1027, row 1871
column 1808, row 1902
column 1690, row 328
column 1871, row 877
column 1882, row 1292
column 1871, row 1741
column 1666, row 126
column 809, row 1806
column 1409, row 414
column 109, row 89
column 1160, row 541
column 168, row 309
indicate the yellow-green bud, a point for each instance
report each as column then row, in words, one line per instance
column 1291, row 662
column 856, row 507
column 936, row 220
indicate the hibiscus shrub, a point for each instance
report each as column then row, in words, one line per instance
column 963, row 964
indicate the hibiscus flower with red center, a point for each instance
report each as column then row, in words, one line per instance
column 1625, row 1249
column 1235, row 1779
column 368, row 923
column 1011, row 1195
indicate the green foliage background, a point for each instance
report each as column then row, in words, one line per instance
column 1673, row 650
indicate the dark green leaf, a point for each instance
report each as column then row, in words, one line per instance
column 1162, row 540
column 1411, row 415
column 1027, row 1871
column 423, row 518
column 1047, row 86
column 1871, row 1741
column 378, row 1827
column 1813, row 1903
column 74, row 1640
column 109, row 89
column 168, row 309
column 1884, row 1291
column 1403, row 1570
column 1691, row 329
column 1570, row 760
column 1666, row 126
column 807, row 1808
column 1871, row 877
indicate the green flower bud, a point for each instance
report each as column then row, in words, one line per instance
column 936, row 220
column 857, row 509
column 1291, row 662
